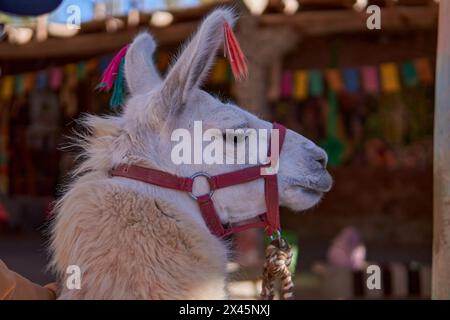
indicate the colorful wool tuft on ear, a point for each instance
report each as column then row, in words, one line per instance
column 234, row 54
column 113, row 78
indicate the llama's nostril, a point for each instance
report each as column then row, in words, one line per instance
column 316, row 153
column 323, row 162
column 323, row 159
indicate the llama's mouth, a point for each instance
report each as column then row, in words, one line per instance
column 316, row 185
column 311, row 192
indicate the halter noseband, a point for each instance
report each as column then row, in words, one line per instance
column 270, row 220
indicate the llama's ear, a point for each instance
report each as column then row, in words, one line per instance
column 196, row 60
column 140, row 72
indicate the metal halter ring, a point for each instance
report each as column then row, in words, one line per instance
column 201, row 174
column 277, row 234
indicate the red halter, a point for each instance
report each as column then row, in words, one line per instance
column 270, row 220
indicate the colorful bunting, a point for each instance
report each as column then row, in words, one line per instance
column 29, row 81
column 41, row 81
column 390, row 81
column 333, row 146
column 18, row 84
column 315, row 83
column 219, row 72
column 81, row 71
column 7, row 87
column 163, row 60
column 424, row 70
column 92, row 65
column 334, row 80
column 351, row 80
column 4, row 138
column 300, row 90
column 104, row 62
column 370, row 81
column 296, row 84
column 56, row 77
column 286, row 84
column 409, row 74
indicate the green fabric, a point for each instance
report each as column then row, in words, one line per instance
column 118, row 94
column 332, row 145
column 410, row 74
column 315, row 83
column 19, row 84
column 81, row 71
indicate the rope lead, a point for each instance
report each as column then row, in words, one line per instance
column 278, row 260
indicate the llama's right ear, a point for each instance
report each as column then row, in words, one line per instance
column 196, row 60
column 140, row 72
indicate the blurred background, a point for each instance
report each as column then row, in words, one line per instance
column 365, row 95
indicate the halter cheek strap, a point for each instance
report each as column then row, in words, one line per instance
column 270, row 220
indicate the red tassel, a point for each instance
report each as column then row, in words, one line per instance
column 234, row 54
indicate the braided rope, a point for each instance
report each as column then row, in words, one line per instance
column 278, row 260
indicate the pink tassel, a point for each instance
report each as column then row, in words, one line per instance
column 234, row 54
column 110, row 73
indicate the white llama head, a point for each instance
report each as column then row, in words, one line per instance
column 157, row 106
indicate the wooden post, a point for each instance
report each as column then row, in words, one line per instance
column 264, row 48
column 441, row 241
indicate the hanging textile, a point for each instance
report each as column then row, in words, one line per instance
column 300, row 90
column 424, row 71
column 332, row 145
column 370, row 81
column 351, row 80
column 409, row 74
column 389, row 77
column 334, row 80
column 286, row 84
column 315, row 83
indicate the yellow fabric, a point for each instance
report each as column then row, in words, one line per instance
column 219, row 71
column 390, row 80
column 16, row 287
column 7, row 89
column 300, row 91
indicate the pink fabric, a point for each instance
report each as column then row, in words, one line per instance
column 286, row 84
column 110, row 73
column 4, row 216
column 56, row 77
column 370, row 79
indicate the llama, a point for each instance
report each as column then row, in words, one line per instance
column 134, row 240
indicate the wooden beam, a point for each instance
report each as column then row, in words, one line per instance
column 318, row 23
column 309, row 23
column 94, row 40
column 441, row 236
column 92, row 44
column 179, row 15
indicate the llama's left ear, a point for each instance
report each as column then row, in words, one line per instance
column 140, row 72
column 196, row 60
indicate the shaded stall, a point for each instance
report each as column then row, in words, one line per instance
column 365, row 95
